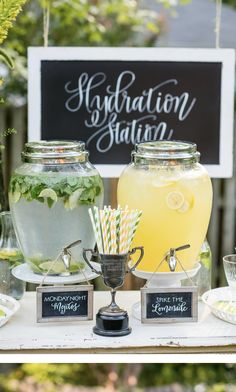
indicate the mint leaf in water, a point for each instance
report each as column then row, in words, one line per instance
column 50, row 202
column 48, row 189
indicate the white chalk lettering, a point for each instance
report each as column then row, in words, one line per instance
column 165, row 309
column 62, row 308
column 104, row 109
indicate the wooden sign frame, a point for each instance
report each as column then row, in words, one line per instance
column 64, row 289
column 160, row 320
column 224, row 56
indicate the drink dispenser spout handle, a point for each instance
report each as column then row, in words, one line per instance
column 171, row 260
column 66, row 258
column 171, row 256
column 66, row 255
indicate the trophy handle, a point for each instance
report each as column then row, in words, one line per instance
column 88, row 262
column 140, row 248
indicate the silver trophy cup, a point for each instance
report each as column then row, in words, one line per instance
column 111, row 320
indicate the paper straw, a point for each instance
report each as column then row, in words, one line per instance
column 127, row 230
column 104, row 232
column 107, row 214
column 98, row 227
column 93, row 224
column 131, row 222
column 123, row 231
column 136, row 221
column 96, row 233
column 118, row 218
column 114, row 229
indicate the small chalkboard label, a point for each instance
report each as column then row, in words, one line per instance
column 165, row 305
column 64, row 303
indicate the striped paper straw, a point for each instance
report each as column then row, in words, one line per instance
column 136, row 220
column 104, row 232
column 113, row 231
column 130, row 222
column 107, row 212
column 118, row 219
column 93, row 224
column 98, row 227
column 98, row 240
column 123, row 231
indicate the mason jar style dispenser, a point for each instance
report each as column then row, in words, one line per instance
column 50, row 195
column 166, row 182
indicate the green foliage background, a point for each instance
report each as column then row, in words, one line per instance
column 213, row 376
column 78, row 23
column 96, row 23
column 230, row 2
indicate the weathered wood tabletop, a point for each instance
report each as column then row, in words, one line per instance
column 23, row 335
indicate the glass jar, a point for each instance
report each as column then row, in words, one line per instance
column 174, row 192
column 50, row 195
column 10, row 257
column 203, row 278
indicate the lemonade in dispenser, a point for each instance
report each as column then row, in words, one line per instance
column 166, row 182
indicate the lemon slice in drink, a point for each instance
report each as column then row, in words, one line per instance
column 57, row 268
column 185, row 207
column 175, row 200
column 48, row 193
column 6, row 253
column 2, row 313
column 225, row 306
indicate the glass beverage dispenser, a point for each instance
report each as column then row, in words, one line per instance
column 166, row 182
column 50, row 195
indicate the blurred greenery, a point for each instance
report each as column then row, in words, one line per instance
column 8, row 12
column 188, row 374
column 9, row 9
column 213, row 376
column 79, row 23
column 230, row 2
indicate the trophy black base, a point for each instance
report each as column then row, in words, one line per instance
column 112, row 325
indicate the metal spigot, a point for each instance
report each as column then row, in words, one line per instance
column 66, row 254
column 171, row 256
column 66, row 258
column 171, row 259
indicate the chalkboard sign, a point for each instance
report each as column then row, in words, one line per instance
column 65, row 303
column 165, row 305
column 112, row 98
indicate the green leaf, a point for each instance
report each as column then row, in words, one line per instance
column 9, row 9
column 72, row 181
column 153, row 27
column 50, row 202
column 72, row 190
column 35, row 190
column 7, row 59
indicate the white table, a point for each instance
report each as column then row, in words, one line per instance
column 23, row 335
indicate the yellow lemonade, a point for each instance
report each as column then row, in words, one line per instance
column 176, row 205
